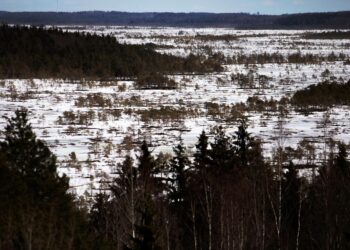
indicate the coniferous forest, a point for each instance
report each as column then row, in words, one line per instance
column 224, row 196
column 27, row 52
column 325, row 20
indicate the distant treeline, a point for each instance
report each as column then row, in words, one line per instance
column 330, row 20
column 38, row 52
column 323, row 94
column 328, row 35
column 297, row 58
column 229, row 196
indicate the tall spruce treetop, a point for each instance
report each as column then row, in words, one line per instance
column 201, row 156
column 23, row 148
column 147, row 169
column 147, row 173
column 99, row 216
column 149, row 185
column 178, row 166
column 242, row 143
column 341, row 161
column 31, row 157
column 291, row 187
column 34, row 199
column 221, row 151
column 146, row 161
column 126, row 179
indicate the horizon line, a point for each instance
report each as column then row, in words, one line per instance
column 173, row 12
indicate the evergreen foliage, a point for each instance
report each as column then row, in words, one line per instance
column 323, row 94
column 36, row 210
column 27, row 52
column 178, row 166
column 201, row 156
column 327, row 20
column 228, row 194
column 242, row 143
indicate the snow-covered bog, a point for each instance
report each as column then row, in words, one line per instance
column 101, row 122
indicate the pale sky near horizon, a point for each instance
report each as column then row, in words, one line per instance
column 249, row 6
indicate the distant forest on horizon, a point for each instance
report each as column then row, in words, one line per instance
column 327, row 20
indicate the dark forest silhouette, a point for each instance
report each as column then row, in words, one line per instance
column 227, row 197
column 326, row 20
column 27, row 52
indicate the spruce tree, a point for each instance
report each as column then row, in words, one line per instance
column 125, row 193
column 201, row 156
column 291, row 188
column 145, row 239
column 101, row 222
column 221, row 151
column 241, row 143
column 148, row 187
column 178, row 166
column 146, row 168
column 31, row 157
column 34, row 199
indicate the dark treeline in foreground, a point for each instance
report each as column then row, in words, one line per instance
column 328, row 20
column 227, row 197
column 44, row 53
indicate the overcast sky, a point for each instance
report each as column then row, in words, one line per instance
column 251, row 6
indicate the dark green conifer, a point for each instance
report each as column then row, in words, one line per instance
column 178, row 167
column 201, row 156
